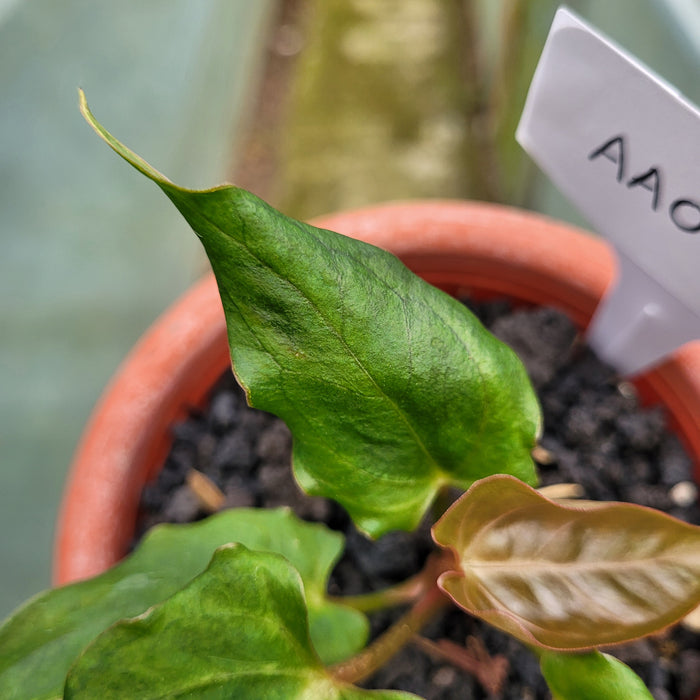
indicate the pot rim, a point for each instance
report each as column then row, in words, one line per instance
column 457, row 246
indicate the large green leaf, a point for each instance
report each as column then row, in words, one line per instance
column 40, row 641
column 239, row 630
column 591, row 676
column 568, row 577
column 390, row 387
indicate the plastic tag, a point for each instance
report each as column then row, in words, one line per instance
column 624, row 146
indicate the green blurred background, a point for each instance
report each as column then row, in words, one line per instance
column 315, row 105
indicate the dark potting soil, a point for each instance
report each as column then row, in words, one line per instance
column 595, row 435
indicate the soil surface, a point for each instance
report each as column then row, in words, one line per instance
column 596, row 435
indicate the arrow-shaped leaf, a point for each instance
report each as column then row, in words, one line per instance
column 42, row 639
column 564, row 576
column 390, row 387
column 239, row 630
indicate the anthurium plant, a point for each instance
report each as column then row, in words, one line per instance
column 394, row 393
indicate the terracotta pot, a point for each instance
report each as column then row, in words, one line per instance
column 484, row 249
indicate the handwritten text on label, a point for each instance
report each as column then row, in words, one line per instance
column 684, row 213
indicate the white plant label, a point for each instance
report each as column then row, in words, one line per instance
column 624, row 146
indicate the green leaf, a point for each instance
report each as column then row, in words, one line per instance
column 391, row 388
column 591, row 676
column 564, row 576
column 239, row 630
column 40, row 641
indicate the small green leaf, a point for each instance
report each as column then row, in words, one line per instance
column 564, row 576
column 40, row 641
column 591, row 676
column 391, row 388
column 239, row 630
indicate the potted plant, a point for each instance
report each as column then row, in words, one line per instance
column 388, row 430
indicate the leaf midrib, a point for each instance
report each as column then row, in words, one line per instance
column 548, row 565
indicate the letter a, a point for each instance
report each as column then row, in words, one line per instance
column 614, row 151
column 653, row 187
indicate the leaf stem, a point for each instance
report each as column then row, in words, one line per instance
column 403, row 593
column 364, row 664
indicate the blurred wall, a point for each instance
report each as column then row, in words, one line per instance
column 89, row 252
column 421, row 98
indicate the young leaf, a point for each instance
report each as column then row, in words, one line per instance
column 390, row 387
column 40, row 641
column 239, row 630
column 564, row 576
column 591, row 676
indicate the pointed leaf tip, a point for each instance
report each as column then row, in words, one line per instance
column 126, row 153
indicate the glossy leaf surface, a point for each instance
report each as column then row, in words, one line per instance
column 390, row 387
column 568, row 577
column 591, row 676
column 239, row 630
column 40, row 641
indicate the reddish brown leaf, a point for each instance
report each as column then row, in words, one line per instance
column 567, row 576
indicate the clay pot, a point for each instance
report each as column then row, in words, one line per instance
column 487, row 250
